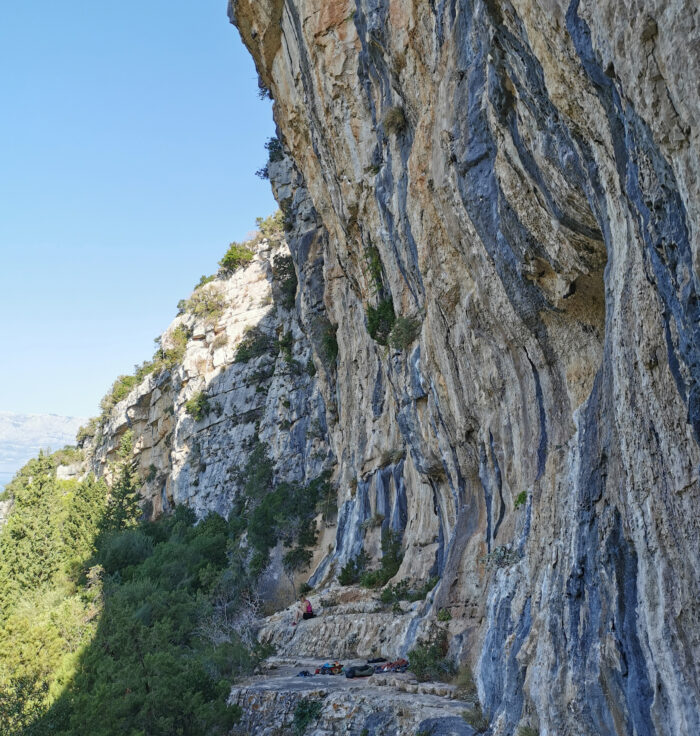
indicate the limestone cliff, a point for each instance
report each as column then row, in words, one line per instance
column 243, row 387
column 496, row 203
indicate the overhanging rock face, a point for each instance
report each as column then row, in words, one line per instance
column 496, row 205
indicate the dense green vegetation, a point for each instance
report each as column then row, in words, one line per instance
column 112, row 624
column 380, row 320
column 286, row 278
column 254, row 344
column 401, row 591
column 429, row 658
column 374, row 265
column 198, row 406
column 237, row 256
column 355, row 571
column 305, row 713
column 280, row 513
column 351, row 572
column 392, row 556
column 395, row 120
column 403, row 333
column 207, row 304
column 272, row 226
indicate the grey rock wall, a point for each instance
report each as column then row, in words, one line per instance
column 521, row 180
column 270, row 401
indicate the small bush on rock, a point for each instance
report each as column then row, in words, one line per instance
column 380, row 320
column 204, row 280
column 395, row 120
column 429, row 660
column 272, row 226
column 403, row 333
column 285, row 275
column 528, row 731
column 351, row 572
column 305, row 713
column 392, row 556
column 253, row 345
column 235, row 257
column 208, row 304
column 198, row 406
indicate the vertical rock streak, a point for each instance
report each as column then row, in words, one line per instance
column 546, row 279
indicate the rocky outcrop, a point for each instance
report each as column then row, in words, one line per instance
column 352, row 707
column 269, row 400
column 239, row 390
column 517, row 182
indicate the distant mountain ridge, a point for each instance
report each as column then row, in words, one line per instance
column 23, row 435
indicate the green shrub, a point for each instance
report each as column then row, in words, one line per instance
column 285, row 275
column 170, row 356
column 429, row 660
column 110, row 624
column 392, row 556
column 402, row 592
column 236, row 256
column 68, row 455
column 88, row 431
column 208, row 304
column 272, row 226
column 220, row 341
column 528, row 731
column 130, row 547
column 119, row 391
column 353, row 569
column 374, row 265
column 380, row 320
column 204, row 280
column 329, row 345
column 403, row 333
column 286, row 343
column 254, row 344
column 198, row 406
column 284, row 512
column 258, row 472
column 444, row 615
column 306, row 712
column 297, row 559
column 274, row 149
column 287, row 213
column 520, row 500
column 395, row 120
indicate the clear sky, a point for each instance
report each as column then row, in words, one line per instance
column 129, row 137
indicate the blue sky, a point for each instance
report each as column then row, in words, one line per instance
column 129, row 138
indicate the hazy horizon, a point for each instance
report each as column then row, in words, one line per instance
column 22, row 436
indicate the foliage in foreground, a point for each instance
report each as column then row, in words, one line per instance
column 111, row 624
